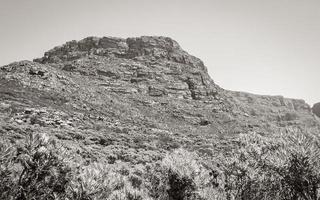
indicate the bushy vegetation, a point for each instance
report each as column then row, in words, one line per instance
column 33, row 170
column 286, row 166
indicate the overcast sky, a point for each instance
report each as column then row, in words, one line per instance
column 259, row 46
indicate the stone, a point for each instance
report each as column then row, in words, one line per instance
column 316, row 109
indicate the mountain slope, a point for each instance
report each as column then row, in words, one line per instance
column 109, row 99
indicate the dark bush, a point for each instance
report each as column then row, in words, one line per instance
column 180, row 188
column 299, row 178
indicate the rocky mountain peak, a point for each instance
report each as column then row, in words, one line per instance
column 152, row 65
column 152, row 47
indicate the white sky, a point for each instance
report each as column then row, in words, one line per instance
column 259, row 46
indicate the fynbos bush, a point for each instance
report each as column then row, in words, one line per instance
column 35, row 171
column 7, row 176
column 286, row 167
column 181, row 176
column 107, row 181
column 283, row 167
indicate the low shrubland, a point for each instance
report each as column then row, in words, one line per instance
column 33, row 170
column 285, row 166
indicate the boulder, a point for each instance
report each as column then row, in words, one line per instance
column 316, row 109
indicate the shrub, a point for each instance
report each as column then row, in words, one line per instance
column 34, row 171
column 180, row 176
column 7, row 153
column 300, row 171
column 284, row 167
column 107, row 181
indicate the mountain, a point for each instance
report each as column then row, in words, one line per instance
column 134, row 99
column 141, row 119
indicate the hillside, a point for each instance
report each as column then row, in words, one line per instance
column 133, row 100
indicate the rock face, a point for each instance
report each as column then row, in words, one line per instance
column 134, row 99
column 316, row 109
column 158, row 66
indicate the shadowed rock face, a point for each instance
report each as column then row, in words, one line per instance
column 316, row 109
column 134, row 99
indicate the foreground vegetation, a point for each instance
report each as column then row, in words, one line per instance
column 284, row 167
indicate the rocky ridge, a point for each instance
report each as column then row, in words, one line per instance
column 134, row 99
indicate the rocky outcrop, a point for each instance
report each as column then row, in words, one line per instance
column 154, row 65
column 316, row 109
column 151, row 47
